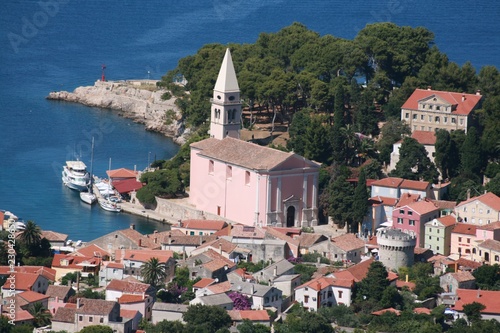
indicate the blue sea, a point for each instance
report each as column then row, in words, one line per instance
column 52, row 45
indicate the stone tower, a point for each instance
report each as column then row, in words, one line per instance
column 396, row 248
column 226, row 105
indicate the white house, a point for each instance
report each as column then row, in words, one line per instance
column 324, row 291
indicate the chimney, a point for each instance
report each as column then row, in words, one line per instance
column 468, row 193
column 463, row 97
column 220, row 248
column 156, row 240
column 252, row 289
column 478, row 92
column 169, row 238
column 275, row 274
column 406, row 278
column 201, row 239
column 132, row 226
column 78, row 303
column 155, row 232
column 429, row 87
column 140, row 242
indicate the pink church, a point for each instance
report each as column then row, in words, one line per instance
column 245, row 182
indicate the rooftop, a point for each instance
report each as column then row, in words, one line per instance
column 348, row 242
column 58, row 291
column 208, row 225
column 488, row 298
column 128, row 287
column 489, row 199
column 424, row 137
column 252, row 315
column 392, row 182
column 490, row 244
column 461, row 107
column 465, row 229
column 54, row 236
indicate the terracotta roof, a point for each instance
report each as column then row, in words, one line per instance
column 127, row 299
column 65, row 315
column 291, row 232
column 203, row 224
column 145, row 255
column 322, row 282
column 358, row 272
column 189, row 240
column 392, row 182
column 424, row 137
column 453, row 98
column 422, row 207
column 95, row 307
column 122, row 173
column 23, row 315
column 244, row 231
column 48, row 273
column 407, row 198
column 490, row 226
column 465, row 229
column 31, row 296
column 443, row 204
column 219, row 244
column 463, row 276
column 127, row 185
column 447, row 220
column 308, row 239
column 422, row 311
column 54, row 236
column 218, row 261
column 252, row 315
column 348, row 242
column 386, row 201
column 128, row 314
column 128, row 287
column 247, row 155
column 420, row 250
column 491, row 244
column 116, row 265
column 93, row 250
column 220, row 287
column 23, row 281
column 490, row 299
column 381, row 312
column 414, row 185
column 292, row 243
column 74, row 262
column 489, row 199
column 203, row 283
column 58, row 291
column 400, row 284
column 466, row 263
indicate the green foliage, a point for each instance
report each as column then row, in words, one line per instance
column 360, row 202
column 153, row 272
column 337, row 198
column 473, row 311
column 304, row 322
column 41, row 316
column 372, row 287
column 252, row 267
column 494, row 185
column 391, row 132
column 24, row 328
column 306, row 271
column 205, row 318
column 488, row 277
column 313, row 257
column 92, row 294
column 445, row 148
column 5, row 327
column 462, row 185
column 414, row 163
column 249, row 327
column 97, row 329
column 69, row 277
column 340, row 315
column 471, row 161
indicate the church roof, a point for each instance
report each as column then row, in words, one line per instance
column 226, row 81
column 246, row 154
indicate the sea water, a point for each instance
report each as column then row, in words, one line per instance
column 50, row 45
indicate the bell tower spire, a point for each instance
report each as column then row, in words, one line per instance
column 226, row 105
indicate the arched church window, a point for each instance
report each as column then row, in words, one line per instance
column 218, row 97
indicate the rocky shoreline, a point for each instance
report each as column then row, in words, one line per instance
column 135, row 100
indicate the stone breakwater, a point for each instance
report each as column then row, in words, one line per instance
column 134, row 101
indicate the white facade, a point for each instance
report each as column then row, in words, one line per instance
column 331, row 295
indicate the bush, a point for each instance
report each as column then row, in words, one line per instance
column 313, row 257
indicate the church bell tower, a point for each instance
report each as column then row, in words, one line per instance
column 225, row 116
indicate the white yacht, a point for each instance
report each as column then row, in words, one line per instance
column 76, row 176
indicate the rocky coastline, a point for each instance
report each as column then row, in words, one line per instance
column 134, row 99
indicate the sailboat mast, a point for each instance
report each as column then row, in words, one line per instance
column 92, row 167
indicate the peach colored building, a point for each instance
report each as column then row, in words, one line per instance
column 428, row 110
column 480, row 210
column 245, row 182
column 463, row 239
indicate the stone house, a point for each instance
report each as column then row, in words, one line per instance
column 222, row 246
column 221, row 300
column 110, row 271
column 480, row 210
column 438, row 234
column 168, row 311
column 91, row 312
column 324, row 292
column 346, row 248
column 425, row 138
column 25, row 282
column 134, row 259
column 428, row 110
column 306, row 240
column 486, row 297
column 182, row 244
column 262, row 296
column 58, row 296
column 132, row 296
column 275, row 270
column 412, row 217
column 209, row 264
column 200, row 227
column 56, row 239
column 70, row 263
column 287, row 284
column 451, row 282
column 255, row 316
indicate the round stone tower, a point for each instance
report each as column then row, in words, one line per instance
column 396, row 248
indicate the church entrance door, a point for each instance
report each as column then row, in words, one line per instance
column 290, row 217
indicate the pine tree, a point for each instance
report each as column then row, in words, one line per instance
column 337, row 138
column 413, row 162
column 470, row 155
column 360, row 200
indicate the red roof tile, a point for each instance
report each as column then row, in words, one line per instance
column 463, row 276
column 414, row 185
column 23, row 315
column 74, row 262
column 145, row 255
column 204, row 224
column 32, row 296
column 462, row 107
column 93, row 250
column 391, row 182
column 48, row 273
column 491, row 244
column 128, row 314
column 121, row 173
column 407, row 198
column 489, row 199
column 422, row 311
column 23, row 281
column 447, row 220
column 127, row 185
column 400, row 284
column 381, row 312
column 322, row 282
column 348, row 242
column 490, row 299
column 465, row 229
column 424, row 137
column 116, row 265
column 203, row 283
column 490, row 226
column 54, row 236
column 220, row 287
column 128, row 287
column 386, row 201
column 127, row 299
column 422, row 207
column 252, row 315
column 219, row 244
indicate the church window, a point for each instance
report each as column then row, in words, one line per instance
column 211, row 167
column 229, row 172
column 247, row 177
column 231, row 98
column 218, row 97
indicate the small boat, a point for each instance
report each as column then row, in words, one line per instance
column 76, row 176
column 109, row 205
column 89, row 197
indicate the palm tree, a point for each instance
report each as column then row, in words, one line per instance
column 31, row 235
column 40, row 314
column 153, row 272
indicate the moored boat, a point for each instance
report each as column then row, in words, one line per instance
column 76, row 176
column 88, row 197
column 109, row 205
